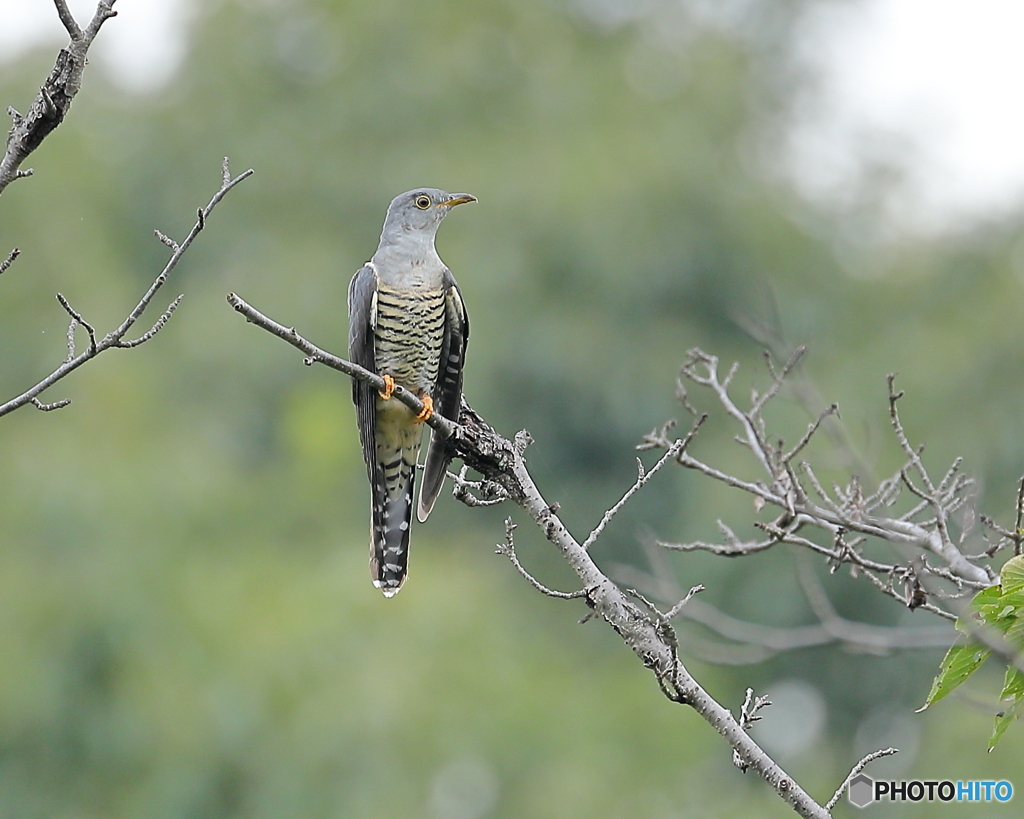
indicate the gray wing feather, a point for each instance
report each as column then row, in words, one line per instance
column 447, row 393
column 362, row 296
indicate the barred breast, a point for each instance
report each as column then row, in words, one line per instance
column 408, row 335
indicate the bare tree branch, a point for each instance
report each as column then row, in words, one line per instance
column 54, row 98
column 845, row 510
column 939, row 589
column 115, row 338
column 651, row 638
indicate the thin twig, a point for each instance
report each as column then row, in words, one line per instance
column 56, row 405
column 72, row 326
column 751, row 705
column 777, row 381
column 508, row 550
column 173, row 245
column 951, row 474
column 860, row 766
column 811, row 429
column 734, row 549
column 819, row 490
column 721, row 389
column 76, row 318
column 887, row 589
column 6, row 263
column 156, row 328
column 678, row 607
column 940, row 543
column 641, row 480
column 667, row 616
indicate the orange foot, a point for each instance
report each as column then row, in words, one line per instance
column 389, row 387
column 428, row 409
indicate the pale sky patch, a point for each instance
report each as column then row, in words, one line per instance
column 140, row 49
column 936, row 85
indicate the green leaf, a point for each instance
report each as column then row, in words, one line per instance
column 1012, row 698
column 1012, row 575
column 1013, row 685
column 1011, row 601
column 959, row 663
column 1014, row 599
column 1015, row 633
column 982, row 607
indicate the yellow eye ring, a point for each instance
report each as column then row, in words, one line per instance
column 423, row 202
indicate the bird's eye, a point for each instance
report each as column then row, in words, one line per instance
column 423, row 202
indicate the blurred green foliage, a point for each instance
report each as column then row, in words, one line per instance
column 187, row 627
column 1001, row 608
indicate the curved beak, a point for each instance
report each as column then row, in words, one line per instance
column 459, row 199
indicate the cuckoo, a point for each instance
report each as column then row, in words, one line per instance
column 408, row 324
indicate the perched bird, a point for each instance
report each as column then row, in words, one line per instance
column 408, row 324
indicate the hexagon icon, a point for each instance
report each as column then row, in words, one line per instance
column 862, row 790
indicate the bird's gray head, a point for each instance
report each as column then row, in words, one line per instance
column 421, row 209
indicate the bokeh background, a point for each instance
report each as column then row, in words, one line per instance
column 187, row 627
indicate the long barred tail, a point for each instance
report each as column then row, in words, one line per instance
column 391, row 505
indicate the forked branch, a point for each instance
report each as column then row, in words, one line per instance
column 648, row 633
column 116, row 337
column 796, row 491
column 930, row 570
